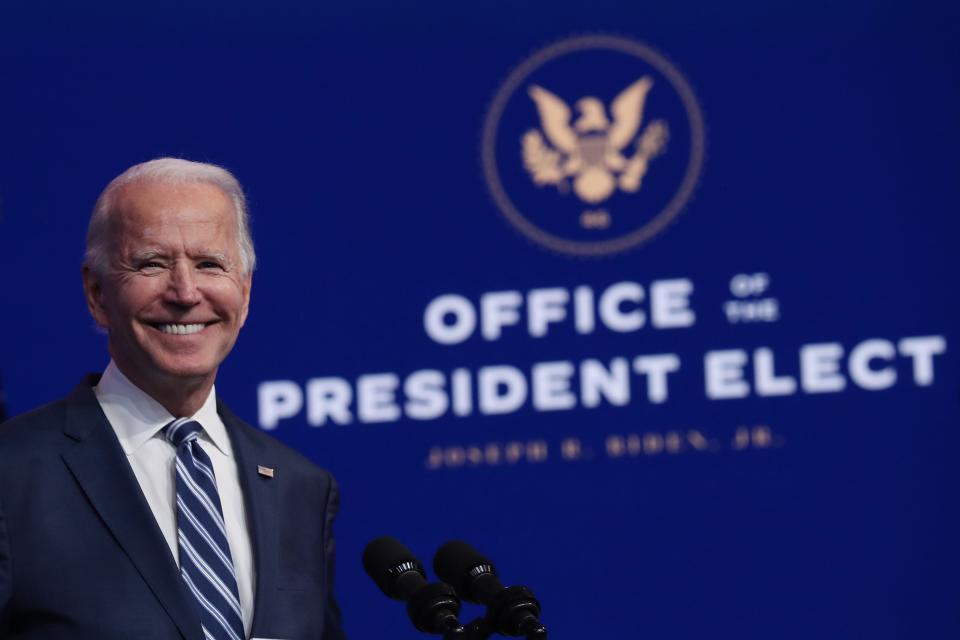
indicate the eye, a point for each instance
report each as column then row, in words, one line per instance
column 210, row 264
column 150, row 265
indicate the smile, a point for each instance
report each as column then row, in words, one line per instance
column 180, row 329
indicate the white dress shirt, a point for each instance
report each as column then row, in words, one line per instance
column 137, row 420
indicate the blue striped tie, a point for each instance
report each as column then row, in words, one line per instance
column 205, row 562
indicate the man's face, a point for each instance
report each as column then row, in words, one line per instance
column 174, row 296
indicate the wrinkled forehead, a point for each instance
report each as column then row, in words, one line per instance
column 157, row 210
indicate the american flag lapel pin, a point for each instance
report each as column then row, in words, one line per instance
column 266, row 472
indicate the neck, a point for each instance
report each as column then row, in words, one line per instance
column 182, row 397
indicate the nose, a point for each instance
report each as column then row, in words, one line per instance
column 182, row 287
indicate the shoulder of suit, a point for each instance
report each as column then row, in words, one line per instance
column 46, row 424
column 35, row 426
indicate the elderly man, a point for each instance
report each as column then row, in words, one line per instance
column 140, row 506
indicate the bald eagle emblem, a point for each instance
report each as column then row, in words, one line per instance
column 592, row 151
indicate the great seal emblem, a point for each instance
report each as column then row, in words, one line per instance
column 606, row 174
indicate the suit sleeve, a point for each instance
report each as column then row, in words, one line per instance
column 6, row 575
column 333, row 625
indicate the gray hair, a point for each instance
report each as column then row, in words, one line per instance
column 168, row 171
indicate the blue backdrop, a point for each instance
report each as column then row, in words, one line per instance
column 723, row 404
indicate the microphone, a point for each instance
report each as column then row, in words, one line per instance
column 432, row 608
column 512, row 611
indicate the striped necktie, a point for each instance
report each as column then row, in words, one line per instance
column 205, row 562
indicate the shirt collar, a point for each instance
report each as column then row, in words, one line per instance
column 136, row 417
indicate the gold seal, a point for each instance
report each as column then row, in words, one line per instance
column 593, row 156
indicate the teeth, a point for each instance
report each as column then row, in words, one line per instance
column 181, row 329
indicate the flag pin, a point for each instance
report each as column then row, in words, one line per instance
column 266, row 472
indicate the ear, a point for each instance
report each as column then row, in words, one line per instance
column 247, row 283
column 93, row 292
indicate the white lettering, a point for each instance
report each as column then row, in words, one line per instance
column 863, row 374
column 436, row 314
column 584, row 318
column 765, row 379
column 328, row 398
column 656, row 369
column 501, row 389
column 497, row 310
column 551, row 386
column 461, row 392
column 596, row 381
column 426, row 397
column 545, row 306
column 610, row 307
column 724, row 374
column 670, row 304
column 820, row 368
column 277, row 399
column 922, row 349
column 376, row 398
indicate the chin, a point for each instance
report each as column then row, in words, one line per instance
column 186, row 369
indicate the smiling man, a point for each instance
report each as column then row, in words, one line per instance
column 140, row 506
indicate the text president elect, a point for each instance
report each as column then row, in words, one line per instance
column 140, row 506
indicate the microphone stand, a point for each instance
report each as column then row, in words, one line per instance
column 480, row 629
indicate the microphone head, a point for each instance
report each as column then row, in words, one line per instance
column 385, row 560
column 458, row 564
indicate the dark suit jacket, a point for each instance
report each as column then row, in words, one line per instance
column 82, row 557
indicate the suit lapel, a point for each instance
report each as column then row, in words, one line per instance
column 260, row 497
column 98, row 463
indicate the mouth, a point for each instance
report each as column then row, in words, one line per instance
column 180, row 329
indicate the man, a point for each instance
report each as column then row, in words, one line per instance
column 140, row 506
